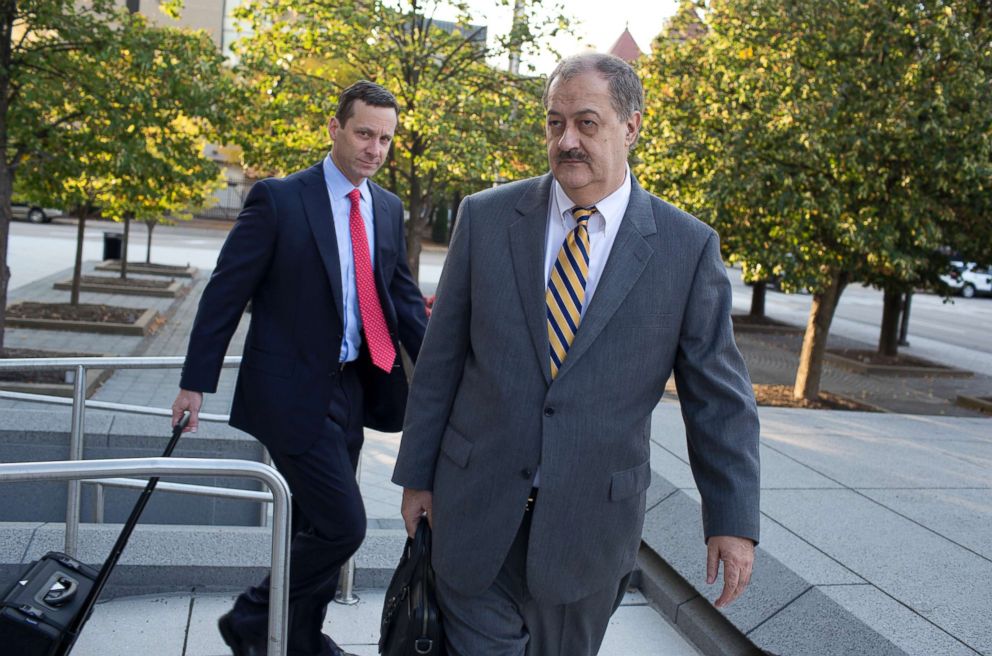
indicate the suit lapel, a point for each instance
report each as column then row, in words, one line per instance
column 527, row 236
column 318, row 210
column 628, row 258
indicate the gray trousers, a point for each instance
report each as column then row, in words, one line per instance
column 506, row 621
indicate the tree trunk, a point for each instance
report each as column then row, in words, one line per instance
column 127, row 239
column 888, row 339
column 415, row 224
column 77, row 269
column 758, row 299
column 8, row 12
column 6, row 186
column 148, row 251
column 821, row 314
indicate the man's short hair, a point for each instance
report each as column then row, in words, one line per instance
column 369, row 93
column 626, row 92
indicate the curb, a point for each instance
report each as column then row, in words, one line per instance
column 702, row 624
column 172, row 291
column 141, row 327
column 135, row 267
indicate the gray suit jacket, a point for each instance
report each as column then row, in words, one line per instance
column 483, row 412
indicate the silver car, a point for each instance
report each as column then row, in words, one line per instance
column 33, row 213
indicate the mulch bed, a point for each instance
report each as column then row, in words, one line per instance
column 752, row 320
column 35, row 376
column 136, row 283
column 780, row 396
column 875, row 358
column 81, row 312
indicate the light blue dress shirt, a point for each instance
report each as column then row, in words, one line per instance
column 338, row 188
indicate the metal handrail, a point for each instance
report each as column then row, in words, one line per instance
column 72, row 501
column 107, row 405
column 90, row 469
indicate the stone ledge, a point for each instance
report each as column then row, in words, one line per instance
column 933, row 369
column 781, row 613
column 144, row 325
column 172, row 291
column 177, row 558
column 138, row 267
column 982, row 404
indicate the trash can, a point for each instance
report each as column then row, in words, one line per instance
column 113, row 245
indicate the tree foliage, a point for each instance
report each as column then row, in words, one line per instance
column 829, row 141
column 463, row 121
column 105, row 112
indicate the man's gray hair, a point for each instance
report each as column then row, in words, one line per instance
column 626, row 92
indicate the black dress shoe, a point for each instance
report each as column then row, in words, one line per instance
column 240, row 645
column 335, row 649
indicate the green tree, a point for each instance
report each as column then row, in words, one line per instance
column 41, row 42
column 822, row 140
column 141, row 120
column 461, row 119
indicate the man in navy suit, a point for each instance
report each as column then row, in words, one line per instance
column 321, row 256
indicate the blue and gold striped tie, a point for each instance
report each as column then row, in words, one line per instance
column 567, row 288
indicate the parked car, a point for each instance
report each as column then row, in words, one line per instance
column 34, row 213
column 968, row 279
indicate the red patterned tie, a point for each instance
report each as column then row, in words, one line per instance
column 376, row 333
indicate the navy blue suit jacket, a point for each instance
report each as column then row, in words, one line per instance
column 282, row 255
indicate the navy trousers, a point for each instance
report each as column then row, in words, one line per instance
column 328, row 525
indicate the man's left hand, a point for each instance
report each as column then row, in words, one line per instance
column 737, row 556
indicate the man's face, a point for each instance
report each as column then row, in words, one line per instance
column 361, row 144
column 587, row 141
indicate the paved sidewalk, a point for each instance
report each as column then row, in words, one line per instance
column 186, row 625
column 876, row 526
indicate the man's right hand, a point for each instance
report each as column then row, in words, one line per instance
column 187, row 400
column 416, row 504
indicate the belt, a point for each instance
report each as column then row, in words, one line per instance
column 531, row 500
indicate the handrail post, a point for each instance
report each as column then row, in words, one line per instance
column 75, row 453
column 346, row 595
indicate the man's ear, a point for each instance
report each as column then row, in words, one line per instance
column 633, row 128
column 332, row 127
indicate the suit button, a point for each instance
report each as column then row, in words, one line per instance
column 549, row 412
column 527, row 472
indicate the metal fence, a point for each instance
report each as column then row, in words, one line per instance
column 79, row 404
column 74, row 471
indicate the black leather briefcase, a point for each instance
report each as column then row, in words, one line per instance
column 411, row 619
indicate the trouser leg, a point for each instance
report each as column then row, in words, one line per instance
column 328, row 525
column 506, row 620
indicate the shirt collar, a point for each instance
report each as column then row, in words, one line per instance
column 611, row 208
column 341, row 186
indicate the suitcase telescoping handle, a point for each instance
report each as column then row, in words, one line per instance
column 118, row 548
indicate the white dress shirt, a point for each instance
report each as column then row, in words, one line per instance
column 603, row 227
column 338, row 188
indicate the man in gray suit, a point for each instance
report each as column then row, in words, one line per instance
column 565, row 303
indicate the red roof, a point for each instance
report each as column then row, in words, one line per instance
column 625, row 47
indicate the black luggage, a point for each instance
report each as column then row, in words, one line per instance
column 46, row 607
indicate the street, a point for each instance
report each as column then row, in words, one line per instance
column 956, row 332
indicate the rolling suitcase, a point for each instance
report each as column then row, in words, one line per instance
column 45, row 609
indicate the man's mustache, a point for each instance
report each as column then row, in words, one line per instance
column 572, row 156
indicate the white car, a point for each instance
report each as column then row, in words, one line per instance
column 969, row 279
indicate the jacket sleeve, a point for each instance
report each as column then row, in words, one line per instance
column 438, row 373
column 718, row 405
column 243, row 261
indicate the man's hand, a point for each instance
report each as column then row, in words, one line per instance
column 416, row 504
column 187, row 400
column 737, row 555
